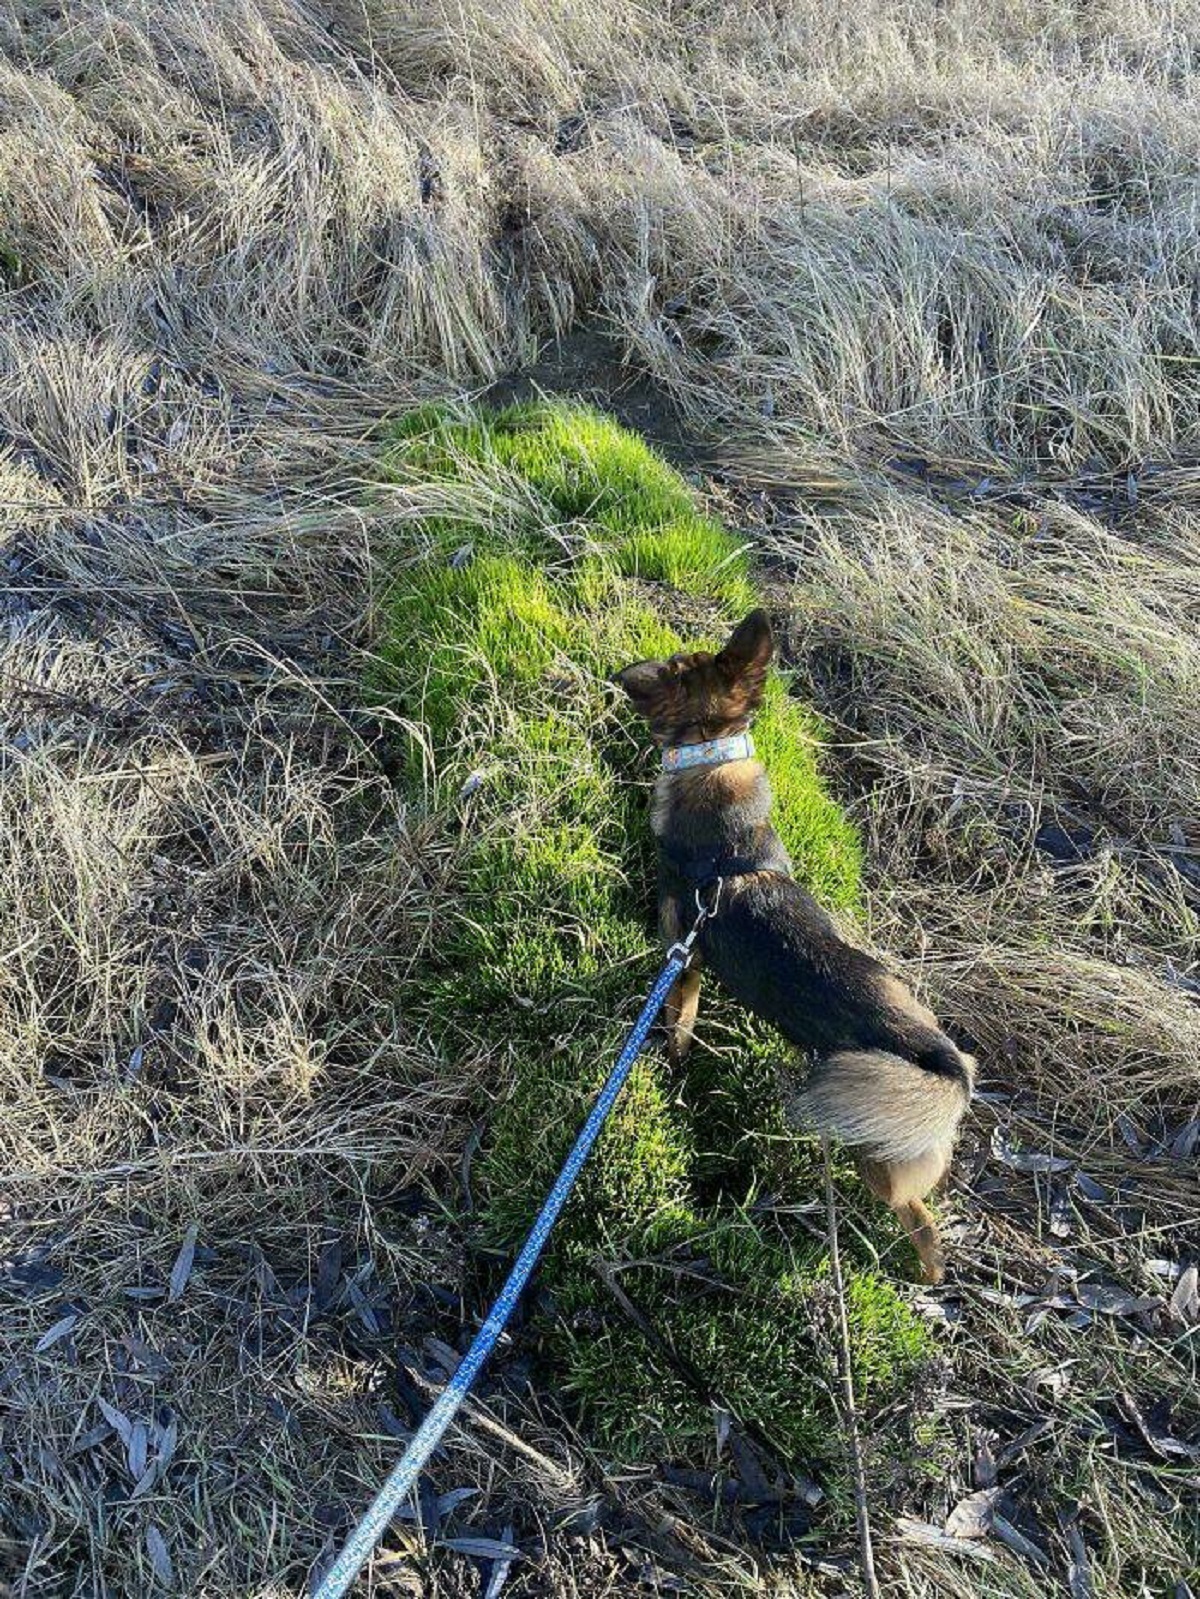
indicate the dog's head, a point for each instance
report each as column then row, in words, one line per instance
column 698, row 696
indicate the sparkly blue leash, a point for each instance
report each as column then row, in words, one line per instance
column 360, row 1545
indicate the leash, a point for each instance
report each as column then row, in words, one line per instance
column 361, row 1543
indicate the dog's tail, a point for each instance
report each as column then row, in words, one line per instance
column 891, row 1109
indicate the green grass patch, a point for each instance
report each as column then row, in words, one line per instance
column 558, row 548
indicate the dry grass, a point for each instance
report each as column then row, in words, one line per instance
column 920, row 282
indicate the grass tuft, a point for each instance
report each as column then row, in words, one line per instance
column 498, row 646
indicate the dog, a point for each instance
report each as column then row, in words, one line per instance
column 886, row 1079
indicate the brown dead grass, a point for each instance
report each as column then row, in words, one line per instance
column 921, row 281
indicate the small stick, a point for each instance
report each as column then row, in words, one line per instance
column 870, row 1580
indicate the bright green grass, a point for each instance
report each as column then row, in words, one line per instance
column 561, row 548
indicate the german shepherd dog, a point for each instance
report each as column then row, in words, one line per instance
column 886, row 1079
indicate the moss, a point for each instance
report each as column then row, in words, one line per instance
column 582, row 542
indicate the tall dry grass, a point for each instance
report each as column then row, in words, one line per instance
column 925, row 276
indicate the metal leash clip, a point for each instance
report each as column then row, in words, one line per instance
column 683, row 951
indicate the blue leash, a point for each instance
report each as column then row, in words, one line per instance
column 360, row 1545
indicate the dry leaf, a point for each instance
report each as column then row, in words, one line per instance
column 117, row 1419
column 160, row 1559
column 721, row 1422
column 1185, row 1301
column 481, row 1548
column 1016, row 1540
column 925, row 1533
column 1027, row 1160
column 53, row 1334
column 1112, row 1301
column 182, row 1269
column 452, row 1498
column 1079, row 1571
column 985, row 1465
column 168, row 1437
column 137, row 1449
column 972, row 1517
column 329, row 1271
column 1159, row 1440
column 500, row 1570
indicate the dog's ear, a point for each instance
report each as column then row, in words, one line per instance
column 749, row 648
column 643, row 681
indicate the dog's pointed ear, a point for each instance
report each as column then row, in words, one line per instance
column 749, row 648
column 642, row 681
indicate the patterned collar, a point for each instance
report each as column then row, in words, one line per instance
column 713, row 752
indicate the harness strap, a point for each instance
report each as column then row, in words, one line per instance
column 707, row 869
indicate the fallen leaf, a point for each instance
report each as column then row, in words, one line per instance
column 924, row 1532
column 137, row 1449
column 160, row 1559
column 329, row 1270
column 1016, row 1540
column 452, row 1498
column 500, row 1570
column 149, row 1359
column 1159, row 1440
column 944, row 1310
column 168, row 1437
column 89, row 1440
column 53, row 1334
column 985, row 1465
column 481, row 1548
column 1185, row 1301
column 1091, row 1189
column 1021, row 1443
column 721, row 1422
column 117, row 1419
column 1112, row 1301
column 1079, row 1571
column 392, row 1424
column 1167, row 1269
column 363, row 1309
column 182, row 1269
column 1129, row 1133
column 1061, row 1219
column 1026, row 1160
column 1186, row 1140
column 749, row 1466
column 442, row 1354
column 972, row 1517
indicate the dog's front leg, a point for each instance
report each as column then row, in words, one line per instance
column 683, row 1001
column 679, row 1011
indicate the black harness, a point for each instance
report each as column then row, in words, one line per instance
column 701, row 871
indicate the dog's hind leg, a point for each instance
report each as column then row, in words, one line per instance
column 901, row 1184
column 679, row 1014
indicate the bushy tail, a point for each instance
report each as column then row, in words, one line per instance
column 887, row 1107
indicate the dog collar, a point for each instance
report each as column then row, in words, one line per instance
column 713, row 752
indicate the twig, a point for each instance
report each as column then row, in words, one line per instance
column 476, row 1411
column 870, row 1580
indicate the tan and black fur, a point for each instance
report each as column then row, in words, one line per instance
column 886, row 1079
